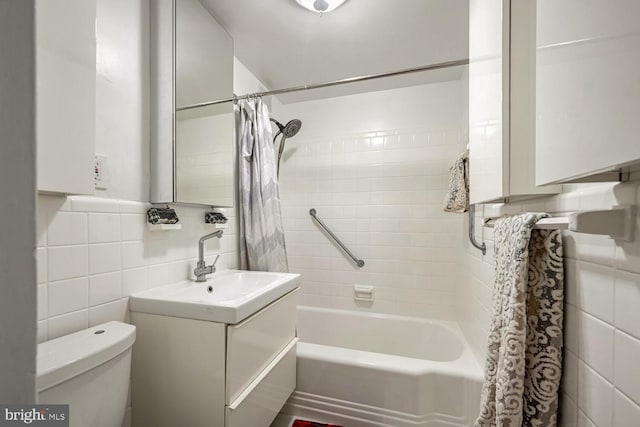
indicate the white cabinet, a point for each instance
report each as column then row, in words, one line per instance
column 587, row 89
column 501, row 101
column 198, row 373
column 65, row 95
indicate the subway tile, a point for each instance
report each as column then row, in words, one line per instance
column 41, row 265
column 104, row 258
column 104, row 288
column 584, row 421
column 627, row 302
column 68, row 323
column 132, row 226
column 570, row 374
column 132, row 207
column 67, row 296
column 134, row 280
column 567, row 412
column 67, row 262
column 133, row 255
column 67, row 228
column 42, row 331
column 626, row 372
column 105, row 313
column 595, row 395
column 42, row 301
column 626, row 412
column 94, row 204
column 104, row 228
column 595, row 285
column 596, row 345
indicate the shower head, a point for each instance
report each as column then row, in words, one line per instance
column 288, row 130
column 292, row 128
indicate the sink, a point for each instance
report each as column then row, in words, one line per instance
column 228, row 296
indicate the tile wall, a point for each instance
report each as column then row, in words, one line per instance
column 94, row 252
column 601, row 384
column 381, row 190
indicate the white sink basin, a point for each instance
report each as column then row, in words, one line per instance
column 227, row 296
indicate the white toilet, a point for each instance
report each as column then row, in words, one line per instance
column 90, row 371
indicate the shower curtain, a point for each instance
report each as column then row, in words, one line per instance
column 262, row 245
column 524, row 355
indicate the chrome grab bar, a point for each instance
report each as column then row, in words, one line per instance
column 359, row 262
column 472, row 230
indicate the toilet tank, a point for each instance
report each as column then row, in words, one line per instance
column 90, row 371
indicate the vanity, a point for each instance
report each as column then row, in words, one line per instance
column 215, row 353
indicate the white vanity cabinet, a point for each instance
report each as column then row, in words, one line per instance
column 501, row 101
column 196, row 373
column 587, row 89
column 65, row 95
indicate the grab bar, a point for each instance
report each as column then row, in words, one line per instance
column 359, row 262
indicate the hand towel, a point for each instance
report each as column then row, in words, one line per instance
column 524, row 355
column 457, row 199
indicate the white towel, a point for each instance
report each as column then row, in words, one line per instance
column 457, row 199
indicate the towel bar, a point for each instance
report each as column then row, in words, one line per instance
column 616, row 222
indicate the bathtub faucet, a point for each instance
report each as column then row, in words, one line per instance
column 202, row 269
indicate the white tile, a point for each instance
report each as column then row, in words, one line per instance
column 570, row 375
column 568, row 412
column 571, row 328
column 104, row 258
column 105, row 313
column 626, row 413
column 94, row 204
column 41, row 265
column 596, row 345
column 128, row 206
column 66, row 262
column 627, row 302
column 595, row 396
column 132, row 226
column 595, row 290
column 104, row 288
column 42, row 331
column 67, row 228
column 68, row 295
column 104, row 228
column 42, row 224
column 134, row 280
column 133, row 255
column 42, row 302
column 584, row 421
column 68, row 323
column 626, row 372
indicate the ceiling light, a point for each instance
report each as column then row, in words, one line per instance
column 320, row 6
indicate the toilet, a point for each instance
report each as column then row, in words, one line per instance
column 90, row 371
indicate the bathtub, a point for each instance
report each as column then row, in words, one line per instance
column 360, row 369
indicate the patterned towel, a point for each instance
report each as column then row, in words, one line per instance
column 524, row 355
column 457, row 199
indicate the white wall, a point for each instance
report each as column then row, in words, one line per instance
column 601, row 382
column 17, row 190
column 375, row 166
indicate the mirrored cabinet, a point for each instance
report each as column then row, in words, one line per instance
column 191, row 61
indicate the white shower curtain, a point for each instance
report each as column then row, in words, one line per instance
column 262, row 245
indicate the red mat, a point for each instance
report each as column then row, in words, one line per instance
column 302, row 423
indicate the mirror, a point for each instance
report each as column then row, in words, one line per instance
column 192, row 160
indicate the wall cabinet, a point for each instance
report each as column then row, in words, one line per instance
column 501, row 101
column 65, row 95
column 587, row 89
column 196, row 373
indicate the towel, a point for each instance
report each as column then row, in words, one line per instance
column 457, row 199
column 524, row 354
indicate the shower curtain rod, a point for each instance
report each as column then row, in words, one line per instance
column 235, row 98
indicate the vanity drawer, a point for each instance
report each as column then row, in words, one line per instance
column 260, row 402
column 255, row 342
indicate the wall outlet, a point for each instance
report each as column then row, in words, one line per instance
column 101, row 172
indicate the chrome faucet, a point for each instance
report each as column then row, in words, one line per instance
column 202, row 269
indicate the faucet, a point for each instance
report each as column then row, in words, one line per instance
column 202, row 269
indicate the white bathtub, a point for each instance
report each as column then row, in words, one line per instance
column 359, row 369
